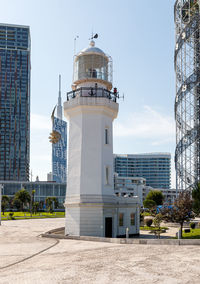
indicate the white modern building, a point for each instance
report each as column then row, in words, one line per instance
column 136, row 186
column 170, row 195
column 92, row 208
column 131, row 186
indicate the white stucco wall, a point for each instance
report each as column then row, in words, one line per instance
column 88, row 156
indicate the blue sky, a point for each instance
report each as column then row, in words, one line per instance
column 139, row 35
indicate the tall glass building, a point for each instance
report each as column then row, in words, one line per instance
column 14, row 102
column 59, row 152
column 59, row 149
column 154, row 167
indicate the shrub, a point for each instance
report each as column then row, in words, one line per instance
column 148, row 222
column 148, row 203
column 192, row 225
column 11, row 216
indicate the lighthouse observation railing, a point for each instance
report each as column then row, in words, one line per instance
column 93, row 92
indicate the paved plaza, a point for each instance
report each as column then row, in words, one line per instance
column 25, row 257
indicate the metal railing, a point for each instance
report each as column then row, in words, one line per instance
column 93, row 92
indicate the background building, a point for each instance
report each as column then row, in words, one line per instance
column 49, row 176
column 154, row 167
column 187, row 102
column 59, row 149
column 14, row 102
column 136, row 186
column 131, row 186
column 42, row 189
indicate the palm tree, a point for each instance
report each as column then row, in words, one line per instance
column 36, row 206
column 4, row 203
column 23, row 196
column 50, row 201
column 32, row 201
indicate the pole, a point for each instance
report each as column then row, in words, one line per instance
column 75, row 44
column 1, row 187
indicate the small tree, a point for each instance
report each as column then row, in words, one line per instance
column 32, row 201
column 17, row 204
column 56, row 203
column 36, row 206
column 181, row 210
column 148, row 222
column 49, row 203
column 148, row 203
column 4, row 203
column 157, row 222
column 156, row 196
column 196, row 199
column 24, row 197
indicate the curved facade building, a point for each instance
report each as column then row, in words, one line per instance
column 187, row 101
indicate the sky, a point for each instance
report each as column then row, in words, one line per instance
column 139, row 35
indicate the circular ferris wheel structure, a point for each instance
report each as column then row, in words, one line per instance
column 187, row 101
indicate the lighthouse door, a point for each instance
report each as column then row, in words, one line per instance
column 108, row 227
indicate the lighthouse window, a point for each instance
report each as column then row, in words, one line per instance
column 106, row 136
column 121, row 219
column 92, row 73
column 107, row 175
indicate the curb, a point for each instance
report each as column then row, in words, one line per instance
column 193, row 242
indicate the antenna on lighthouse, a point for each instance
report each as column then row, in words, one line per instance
column 75, row 44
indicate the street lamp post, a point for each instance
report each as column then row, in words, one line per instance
column 1, row 187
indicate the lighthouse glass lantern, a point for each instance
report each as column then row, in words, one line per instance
column 94, row 65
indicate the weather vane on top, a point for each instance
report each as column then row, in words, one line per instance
column 93, row 36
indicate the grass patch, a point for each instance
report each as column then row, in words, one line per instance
column 27, row 215
column 194, row 234
column 146, row 228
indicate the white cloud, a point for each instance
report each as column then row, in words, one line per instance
column 40, row 122
column 147, row 124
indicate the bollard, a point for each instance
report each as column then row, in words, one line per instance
column 179, row 234
column 127, row 233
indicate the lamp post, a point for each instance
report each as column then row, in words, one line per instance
column 1, row 187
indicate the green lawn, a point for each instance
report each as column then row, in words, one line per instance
column 194, row 234
column 146, row 228
column 27, row 215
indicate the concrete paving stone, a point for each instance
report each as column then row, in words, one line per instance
column 72, row 261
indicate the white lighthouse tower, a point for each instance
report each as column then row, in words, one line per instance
column 91, row 205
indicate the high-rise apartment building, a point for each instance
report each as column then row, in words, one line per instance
column 154, row 167
column 14, row 102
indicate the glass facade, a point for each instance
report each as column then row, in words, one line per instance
column 14, row 102
column 155, row 168
column 59, row 151
column 42, row 190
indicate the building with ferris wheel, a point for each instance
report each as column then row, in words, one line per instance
column 187, row 101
